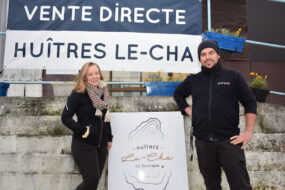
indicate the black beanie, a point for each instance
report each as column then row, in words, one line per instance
column 208, row 44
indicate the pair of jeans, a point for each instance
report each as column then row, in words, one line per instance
column 90, row 161
column 216, row 155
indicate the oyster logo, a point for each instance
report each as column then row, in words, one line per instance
column 147, row 164
column 148, row 130
column 158, row 182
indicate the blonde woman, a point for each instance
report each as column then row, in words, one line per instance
column 92, row 136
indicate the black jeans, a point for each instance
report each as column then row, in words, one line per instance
column 212, row 156
column 90, row 161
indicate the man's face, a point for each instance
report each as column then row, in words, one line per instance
column 209, row 57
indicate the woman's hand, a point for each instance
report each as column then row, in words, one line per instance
column 188, row 110
column 109, row 145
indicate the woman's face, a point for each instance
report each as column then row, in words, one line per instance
column 93, row 75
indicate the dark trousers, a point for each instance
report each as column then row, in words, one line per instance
column 90, row 161
column 212, row 156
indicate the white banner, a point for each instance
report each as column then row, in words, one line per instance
column 148, row 152
column 124, row 35
column 113, row 51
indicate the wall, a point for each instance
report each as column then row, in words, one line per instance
column 226, row 14
column 260, row 21
column 3, row 18
column 35, row 146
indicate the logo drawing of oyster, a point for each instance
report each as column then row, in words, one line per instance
column 149, row 130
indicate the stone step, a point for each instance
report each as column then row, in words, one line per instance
column 32, row 126
column 274, row 142
column 269, row 176
column 267, row 180
column 54, row 144
column 37, row 163
column 14, row 181
column 270, row 118
column 47, row 159
column 52, row 125
column 260, row 180
column 266, row 124
column 270, row 109
column 54, row 105
column 33, row 181
column 36, row 144
column 26, row 106
column 265, row 161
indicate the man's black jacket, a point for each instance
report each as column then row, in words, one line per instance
column 216, row 94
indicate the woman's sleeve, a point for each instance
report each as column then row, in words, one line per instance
column 72, row 104
column 109, row 131
column 107, row 125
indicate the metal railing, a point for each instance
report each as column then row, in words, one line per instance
column 277, row 93
column 68, row 82
column 136, row 86
column 265, row 44
column 109, row 83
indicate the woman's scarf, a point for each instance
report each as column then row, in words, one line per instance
column 95, row 94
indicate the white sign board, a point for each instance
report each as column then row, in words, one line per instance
column 114, row 51
column 124, row 35
column 148, row 152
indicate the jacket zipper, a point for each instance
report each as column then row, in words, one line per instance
column 100, row 132
column 210, row 105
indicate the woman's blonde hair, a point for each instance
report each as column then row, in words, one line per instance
column 81, row 79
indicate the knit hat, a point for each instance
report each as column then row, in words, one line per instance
column 208, row 44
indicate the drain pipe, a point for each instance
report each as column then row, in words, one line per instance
column 209, row 15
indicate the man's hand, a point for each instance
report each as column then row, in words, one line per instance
column 188, row 111
column 243, row 138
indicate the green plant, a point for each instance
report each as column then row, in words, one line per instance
column 227, row 32
column 154, row 77
column 258, row 81
column 177, row 77
column 162, row 77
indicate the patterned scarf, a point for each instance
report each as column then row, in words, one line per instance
column 95, row 94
